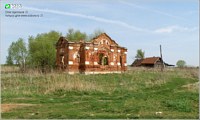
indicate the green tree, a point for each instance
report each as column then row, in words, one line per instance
column 181, row 63
column 17, row 54
column 140, row 54
column 42, row 50
column 75, row 35
column 9, row 60
column 96, row 33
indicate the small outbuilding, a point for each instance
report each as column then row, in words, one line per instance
column 149, row 62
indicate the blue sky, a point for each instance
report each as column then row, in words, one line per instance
column 135, row 24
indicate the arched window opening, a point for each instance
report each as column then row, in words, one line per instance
column 105, row 61
column 121, row 60
column 101, row 58
column 61, row 52
column 62, row 60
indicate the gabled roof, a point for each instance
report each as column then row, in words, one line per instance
column 104, row 34
column 150, row 60
column 137, row 62
column 62, row 40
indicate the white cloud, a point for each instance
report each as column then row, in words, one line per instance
column 151, row 10
column 168, row 29
column 175, row 28
column 95, row 18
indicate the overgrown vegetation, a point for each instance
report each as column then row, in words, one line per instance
column 137, row 93
column 40, row 52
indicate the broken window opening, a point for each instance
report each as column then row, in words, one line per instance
column 103, row 60
column 121, row 60
column 100, row 58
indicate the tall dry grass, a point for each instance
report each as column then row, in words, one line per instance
column 9, row 69
column 34, row 82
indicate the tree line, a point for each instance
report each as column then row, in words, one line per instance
column 40, row 51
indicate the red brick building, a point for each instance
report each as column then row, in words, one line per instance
column 101, row 55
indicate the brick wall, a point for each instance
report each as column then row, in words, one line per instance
column 100, row 55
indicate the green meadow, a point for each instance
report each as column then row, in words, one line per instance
column 134, row 94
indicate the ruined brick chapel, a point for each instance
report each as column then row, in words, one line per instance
column 100, row 55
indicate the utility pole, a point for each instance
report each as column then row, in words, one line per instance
column 162, row 66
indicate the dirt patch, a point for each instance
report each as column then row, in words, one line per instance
column 9, row 107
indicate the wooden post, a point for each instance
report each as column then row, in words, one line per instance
column 162, row 66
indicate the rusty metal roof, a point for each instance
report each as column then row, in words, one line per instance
column 150, row 60
column 137, row 62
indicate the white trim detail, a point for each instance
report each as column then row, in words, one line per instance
column 95, row 63
column 111, row 63
column 112, row 50
column 118, row 63
column 125, row 52
column 119, row 50
column 87, row 48
column 70, row 62
column 74, row 55
column 71, row 48
column 102, row 72
column 95, row 48
column 87, row 62
column 125, row 64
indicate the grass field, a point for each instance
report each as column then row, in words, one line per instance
column 137, row 93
